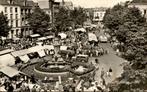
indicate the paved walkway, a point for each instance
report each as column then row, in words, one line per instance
column 107, row 61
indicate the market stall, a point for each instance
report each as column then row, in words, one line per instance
column 7, row 59
column 9, row 71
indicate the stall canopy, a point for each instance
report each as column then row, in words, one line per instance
column 49, row 47
column 24, row 58
column 80, row 30
column 34, row 35
column 62, row 35
column 7, row 59
column 6, row 51
column 41, row 53
column 63, row 47
column 36, row 48
column 49, row 37
column 20, row 52
column 42, row 38
column 9, row 71
column 92, row 37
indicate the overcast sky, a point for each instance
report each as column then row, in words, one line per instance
column 94, row 3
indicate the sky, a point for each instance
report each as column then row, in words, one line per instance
column 93, row 3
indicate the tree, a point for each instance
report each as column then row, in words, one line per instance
column 39, row 21
column 78, row 16
column 69, row 18
column 4, row 28
column 63, row 19
column 129, row 27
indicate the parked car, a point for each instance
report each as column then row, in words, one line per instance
column 103, row 38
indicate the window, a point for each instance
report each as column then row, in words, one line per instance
column 16, row 23
column 16, row 16
column 11, row 16
column 21, row 11
column 5, row 9
column 15, row 9
column 29, row 11
column 12, row 23
column 11, row 9
column 144, row 11
column 25, row 10
column 17, row 32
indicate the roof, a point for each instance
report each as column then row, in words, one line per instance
column 5, row 51
column 9, row 71
column 18, row 2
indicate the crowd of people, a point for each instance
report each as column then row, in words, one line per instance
column 75, row 41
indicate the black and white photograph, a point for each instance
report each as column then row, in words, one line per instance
column 73, row 45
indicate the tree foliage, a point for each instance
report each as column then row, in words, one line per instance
column 39, row 21
column 4, row 28
column 69, row 18
column 129, row 27
column 63, row 19
column 79, row 16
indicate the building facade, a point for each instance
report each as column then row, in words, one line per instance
column 96, row 14
column 16, row 11
column 51, row 7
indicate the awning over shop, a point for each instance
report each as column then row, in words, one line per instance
column 24, row 58
column 51, row 36
column 49, row 47
column 34, row 35
column 20, row 52
column 6, row 51
column 36, row 48
column 42, row 38
column 7, row 59
column 63, row 47
column 80, row 30
column 92, row 37
column 62, row 35
column 9, row 71
column 41, row 53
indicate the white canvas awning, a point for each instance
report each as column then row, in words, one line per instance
column 80, row 30
column 35, row 48
column 9, row 71
column 42, row 38
column 7, row 59
column 6, row 51
column 63, row 47
column 62, row 35
column 49, row 47
column 51, row 36
column 24, row 58
column 34, row 35
column 20, row 52
column 92, row 37
column 41, row 53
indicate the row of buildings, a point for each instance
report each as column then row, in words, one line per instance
column 16, row 11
